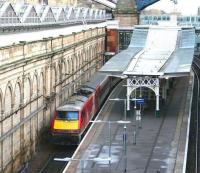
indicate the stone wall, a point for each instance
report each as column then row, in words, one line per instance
column 36, row 77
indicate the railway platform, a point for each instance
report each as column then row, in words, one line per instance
column 160, row 142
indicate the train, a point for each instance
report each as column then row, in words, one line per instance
column 71, row 119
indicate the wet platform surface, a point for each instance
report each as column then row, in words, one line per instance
column 160, row 143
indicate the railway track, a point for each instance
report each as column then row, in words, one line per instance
column 52, row 166
column 49, row 165
column 193, row 157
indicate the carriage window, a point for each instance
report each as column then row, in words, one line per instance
column 85, row 92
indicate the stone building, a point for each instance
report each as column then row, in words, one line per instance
column 36, row 77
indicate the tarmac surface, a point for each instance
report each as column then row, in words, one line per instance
column 160, row 142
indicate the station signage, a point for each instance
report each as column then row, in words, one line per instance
column 140, row 101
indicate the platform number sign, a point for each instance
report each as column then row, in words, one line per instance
column 140, row 101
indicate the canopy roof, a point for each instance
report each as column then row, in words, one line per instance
column 155, row 50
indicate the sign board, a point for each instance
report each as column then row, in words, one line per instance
column 140, row 101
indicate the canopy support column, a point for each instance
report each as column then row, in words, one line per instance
column 146, row 81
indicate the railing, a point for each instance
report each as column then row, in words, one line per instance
column 11, row 17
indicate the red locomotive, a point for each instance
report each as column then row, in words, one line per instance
column 71, row 119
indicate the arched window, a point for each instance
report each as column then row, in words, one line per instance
column 59, row 72
column 68, row 67
column 74, row 63
column 98, row 47
column 63, row 74
column 84, row 57
column 41, row 84
column 47, row 80
column 35, row 87
column 77, row 61
column 53, row 77
column 81, row 59
column 27, row 90
column 90, row 53
column 8, row 100
column 87, row 54
column 71, row 65
column 102, row 44
column 93, row 51
column 17, row 95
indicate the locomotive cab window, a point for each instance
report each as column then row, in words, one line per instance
column 67, row 115
column 62, row 115
column 72, row 115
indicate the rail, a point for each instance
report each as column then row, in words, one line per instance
column 194, row 130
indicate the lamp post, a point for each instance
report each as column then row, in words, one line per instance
column 140, row 120
column 125, row 148
column 124, row 137
column 125, row 109
column 125, row 133
column 68, row 159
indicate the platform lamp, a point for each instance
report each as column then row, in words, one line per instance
column 124, row 137
column 124, row 132
column 125, row 113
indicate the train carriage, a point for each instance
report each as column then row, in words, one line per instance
column 72, row 118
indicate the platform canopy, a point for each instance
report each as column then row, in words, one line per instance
column 155, row 51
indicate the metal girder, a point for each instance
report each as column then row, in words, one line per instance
column 149, row 82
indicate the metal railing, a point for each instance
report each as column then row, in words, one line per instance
column 10, row 17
